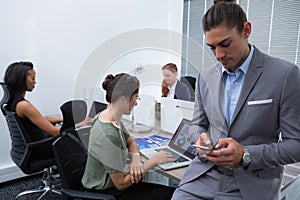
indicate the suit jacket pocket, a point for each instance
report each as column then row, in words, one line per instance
column 261, row 115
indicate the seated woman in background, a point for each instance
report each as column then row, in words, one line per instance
column 171, row 86
column 20, row 77
column 110, row 145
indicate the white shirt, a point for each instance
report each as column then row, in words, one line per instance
column 172, row 91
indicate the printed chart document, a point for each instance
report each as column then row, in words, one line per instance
column 151, row 141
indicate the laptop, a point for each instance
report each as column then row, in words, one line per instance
column 179, row 146
column 96, row 108
column 84, row 131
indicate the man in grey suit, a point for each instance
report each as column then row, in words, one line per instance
column 247, row 109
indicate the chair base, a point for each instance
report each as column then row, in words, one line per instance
column 44, row 190
column 49, row 185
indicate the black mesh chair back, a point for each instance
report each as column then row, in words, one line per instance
column 22, row 146
column 71, row 158
column 191, row 83
column 73, row 111
column 191, row 80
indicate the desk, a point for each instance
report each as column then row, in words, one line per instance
column 175, row 174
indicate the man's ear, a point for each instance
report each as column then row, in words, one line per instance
column 247, row 29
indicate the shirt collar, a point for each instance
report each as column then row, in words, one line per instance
column 244, row 67
column 174, row 86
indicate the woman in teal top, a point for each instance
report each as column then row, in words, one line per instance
column 110, row 145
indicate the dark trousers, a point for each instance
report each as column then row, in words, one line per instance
column 143, row 191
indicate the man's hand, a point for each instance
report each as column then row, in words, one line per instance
column 203, row 140
column 229, row 156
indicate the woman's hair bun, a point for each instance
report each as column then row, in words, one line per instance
column 107, row 80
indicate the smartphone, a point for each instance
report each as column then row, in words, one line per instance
column 205, row 148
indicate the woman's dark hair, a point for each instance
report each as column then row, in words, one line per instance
column 229, row 13
column 164, row 88
column 120, row 85
column 15, row 76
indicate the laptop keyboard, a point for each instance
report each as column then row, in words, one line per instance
column 177, row 156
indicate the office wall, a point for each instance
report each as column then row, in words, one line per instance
column 61, row 37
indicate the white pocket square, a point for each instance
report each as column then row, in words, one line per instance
column 263, row 101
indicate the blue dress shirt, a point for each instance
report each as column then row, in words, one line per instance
column 233, row 82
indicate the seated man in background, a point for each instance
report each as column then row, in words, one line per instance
column 171, row 87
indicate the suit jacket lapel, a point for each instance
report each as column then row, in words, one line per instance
column 253, row 74
column 215, row 85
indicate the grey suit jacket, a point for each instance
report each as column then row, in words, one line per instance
column 182, row 91
column 268, row 105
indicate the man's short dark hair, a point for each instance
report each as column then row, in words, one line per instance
column 229, row 13
column 218, row 1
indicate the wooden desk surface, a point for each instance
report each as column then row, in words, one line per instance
column 175, row 174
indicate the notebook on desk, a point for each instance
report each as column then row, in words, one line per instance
column 179, row 146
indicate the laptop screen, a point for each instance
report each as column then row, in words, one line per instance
column 180, row 141
column 96, row 108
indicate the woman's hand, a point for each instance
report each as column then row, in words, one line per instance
column 136, row 168
column 84, row 122
column 162, row 157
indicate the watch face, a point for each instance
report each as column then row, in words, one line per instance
column 246, row 158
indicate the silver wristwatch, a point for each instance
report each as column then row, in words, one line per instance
column 246, row 157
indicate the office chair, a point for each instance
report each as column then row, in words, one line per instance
column 71, row 155
column 191, row 83
column 73, row 112
column 22, row 147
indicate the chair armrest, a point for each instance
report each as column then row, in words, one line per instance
column 39, row 142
